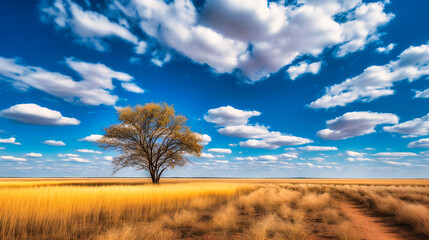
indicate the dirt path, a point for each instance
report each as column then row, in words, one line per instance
column 374, row 227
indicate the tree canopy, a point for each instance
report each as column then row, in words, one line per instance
column 151, row 137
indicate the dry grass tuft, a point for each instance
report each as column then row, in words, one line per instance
column 272, row 227
column 143, row 231
column 415, row 215
column 226, row 217
column 345, row 231
column 315, row 202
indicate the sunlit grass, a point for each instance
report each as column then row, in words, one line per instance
column 59, row 211
column 73, row 208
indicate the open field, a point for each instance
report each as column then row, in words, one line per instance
column 110, row 208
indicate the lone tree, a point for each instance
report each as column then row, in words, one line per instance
column 151, row 137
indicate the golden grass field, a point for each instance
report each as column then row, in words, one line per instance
column 118, row 208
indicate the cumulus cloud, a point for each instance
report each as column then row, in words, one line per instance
column 395, row 154
column 421, row 143
column 36, row 155
column 220, row 150
column 11, row 140
column 354, row 124
column 91, row 138
column 235, row 124
column 88, row 151
column 317, row 148
column 89, row 27
column 284, row 156
column 359, row 159
column 354, row 154
column 397, row 163
column 207, row 155
column 228, row 116
column 54, row 143
column 244, row 131
column 412, row 128
column 12, row 158
column 68, row 155
column 76, row 159
column 132, row 87
column 94, row 88
column 34, row 114
column 274, row 141
column 255, row 38
column 422, row 94
column 303, row 68
column 386, row 49
column 377, row 81
column 206, row 139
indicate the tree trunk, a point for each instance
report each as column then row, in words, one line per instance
column 155, row 177
column 155, row 180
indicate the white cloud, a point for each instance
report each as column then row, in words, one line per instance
column 244, row 131
column 76, row 159
column 361, row 28
column 422, row 94
column 287, row 155
column 377, row 81
column 89, row 27
column 94, row 88
column 206, row 139
column 88, row 151
column 421, row 143
column 68, row 155
column 386, row 49
column 220, row 150
column 228, row 116
column 12, row 158
column 141, row 47
column 159, row 61
column 303, row 68
column 132, row 87
column 207, row 155
column 395, row 154
column 2, row 148
column 234, row 122
column 354, row 154
column 11, row 140
column 397, row 163
column 359, row 159
column 317, row 148
column 354, row 124
column 92, row 138
column 54, row 143
column 108, row 158
column 412, row 128
column 268, row 157
column 36, row 155
column 284, row 156
column 257, row 37
column 221, row 161
column 34, row 114
column 274, row 141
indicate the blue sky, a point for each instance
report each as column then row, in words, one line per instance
column 278, row 89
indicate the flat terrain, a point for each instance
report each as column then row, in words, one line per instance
column 129, row 208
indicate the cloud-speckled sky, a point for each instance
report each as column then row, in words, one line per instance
column 304, row 88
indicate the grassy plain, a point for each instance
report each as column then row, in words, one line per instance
column 126, row 208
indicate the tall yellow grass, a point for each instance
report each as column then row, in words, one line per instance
column 200, row 208
column 64, row 212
